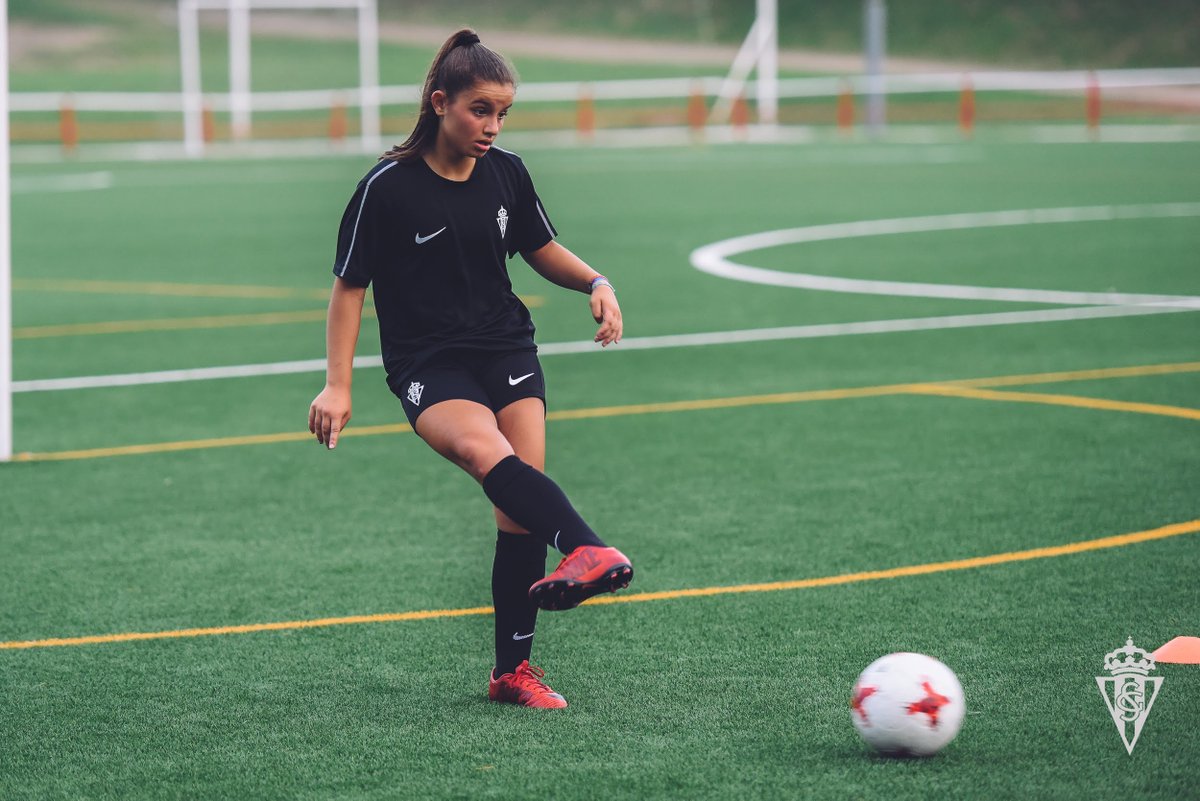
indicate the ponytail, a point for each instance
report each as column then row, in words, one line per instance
column 461, row 62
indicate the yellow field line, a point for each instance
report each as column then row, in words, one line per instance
column 249, row 628
column 731, row 403
column 187, row 290
column 166, row 288
column 204, row 444
column 193, row 323
column 1058, row 400
column 945, row 388
column 1137, row 371
column 1174, row 530
column 400, row 428
column 1119, row 540
column 172, row 324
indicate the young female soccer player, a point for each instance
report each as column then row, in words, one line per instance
column 430, row 226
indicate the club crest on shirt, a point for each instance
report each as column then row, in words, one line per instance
column 414, row 393
column 502, row 220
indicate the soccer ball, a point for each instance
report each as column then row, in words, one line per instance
column 907, row 705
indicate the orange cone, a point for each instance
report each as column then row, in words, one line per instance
column 1181, row 650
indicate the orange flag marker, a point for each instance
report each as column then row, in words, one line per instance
column 1181, row 650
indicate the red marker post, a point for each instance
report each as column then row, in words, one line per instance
column 697, row 111
column 68, row 125
column 585, row 115
column 1093, row 104
column 845, row 110
column 337, row 120
column 966, row 108
column 740, row 116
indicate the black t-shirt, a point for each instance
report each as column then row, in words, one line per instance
column 435, row 251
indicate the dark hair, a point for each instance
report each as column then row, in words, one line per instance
column 462, row 62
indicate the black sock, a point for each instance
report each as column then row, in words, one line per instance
column 520, row 561
column 534, row 501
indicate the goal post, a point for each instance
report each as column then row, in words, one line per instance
column 239, row 68
column 759, row 53
column 875, row 50
column 6, row 426
column 240, row 97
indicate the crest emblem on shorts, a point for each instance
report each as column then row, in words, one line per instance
column 502, row 220
column 414, row 393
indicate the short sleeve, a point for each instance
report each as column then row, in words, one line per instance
column 533, row 228
column 362, row 234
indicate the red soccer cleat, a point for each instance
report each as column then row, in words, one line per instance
column 588, row 570
column 524, row 686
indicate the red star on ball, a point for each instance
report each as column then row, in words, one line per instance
column 856, row 703
column 929, row 705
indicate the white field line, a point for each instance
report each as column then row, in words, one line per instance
column 32, row 184
column 73, row 182
column 714, row 258
column 629, row 343
column 177, row 376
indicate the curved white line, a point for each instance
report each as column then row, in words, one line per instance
column 713, row 259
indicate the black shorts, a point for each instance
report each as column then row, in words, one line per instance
column 492, row 378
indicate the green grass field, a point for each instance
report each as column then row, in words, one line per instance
column 788, row 460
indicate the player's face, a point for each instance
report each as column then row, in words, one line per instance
column 472, row 119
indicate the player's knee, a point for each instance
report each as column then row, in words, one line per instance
column 478, row 454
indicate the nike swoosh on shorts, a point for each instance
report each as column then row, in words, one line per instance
column 512, row 382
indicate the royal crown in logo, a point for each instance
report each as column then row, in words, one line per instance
column 502, row 220
column 1126, row 660
column 1129, row 692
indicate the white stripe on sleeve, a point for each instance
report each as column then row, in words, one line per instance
column 542, row 214
column 361, row 203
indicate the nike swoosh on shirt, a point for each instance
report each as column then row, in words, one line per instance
column 522, row 636
column 421, row 240
column 512, row 382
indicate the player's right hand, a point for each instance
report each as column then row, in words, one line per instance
column 328, row 415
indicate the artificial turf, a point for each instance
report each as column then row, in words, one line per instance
column 733, row 695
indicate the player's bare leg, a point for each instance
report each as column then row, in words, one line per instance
column 466, row 433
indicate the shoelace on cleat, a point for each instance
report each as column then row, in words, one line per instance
column 581, row 561
column 529, row 677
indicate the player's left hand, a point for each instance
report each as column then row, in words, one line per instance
column 606, row 312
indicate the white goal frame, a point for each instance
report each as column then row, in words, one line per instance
column 239, row 63
column 759, row 51
column 6, row 428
